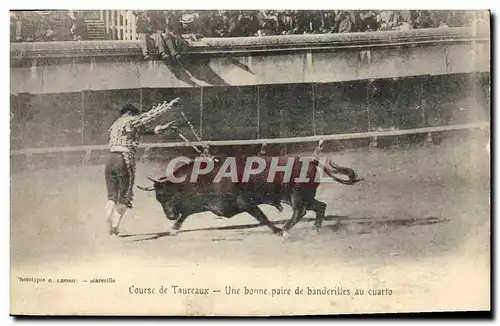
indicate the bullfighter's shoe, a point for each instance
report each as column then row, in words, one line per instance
column 116, row 217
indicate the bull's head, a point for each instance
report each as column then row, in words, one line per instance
column 165, row 193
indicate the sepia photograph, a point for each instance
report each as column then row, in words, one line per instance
column 284, row 162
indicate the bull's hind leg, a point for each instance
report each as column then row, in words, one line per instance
column 259, row 215
column 297, row 215
column 277, row 204
column 299, row 210
column 319, row 208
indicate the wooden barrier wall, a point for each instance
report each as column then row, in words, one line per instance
column 253, row 112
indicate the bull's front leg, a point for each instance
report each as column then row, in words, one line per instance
column 178, row 223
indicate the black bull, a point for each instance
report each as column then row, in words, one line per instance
column 228, row 198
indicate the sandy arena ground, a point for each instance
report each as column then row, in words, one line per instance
column 418, row 225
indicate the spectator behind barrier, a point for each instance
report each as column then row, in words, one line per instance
column 144, row 32
column 79, row 27
column 151, row 25
column 188, row 25
column 163, row 29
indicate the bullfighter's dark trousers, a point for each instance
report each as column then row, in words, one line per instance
column 120, row 174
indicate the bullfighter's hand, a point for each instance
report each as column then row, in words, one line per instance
column 174, row 101
column 170, row 125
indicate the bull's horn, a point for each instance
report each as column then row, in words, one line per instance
column 152, row 179
column 146, row 188
column 161, row 180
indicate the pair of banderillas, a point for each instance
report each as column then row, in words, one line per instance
column 203, row 153
column 318, row 150
column 187, row 141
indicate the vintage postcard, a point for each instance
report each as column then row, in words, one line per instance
column 249, row 162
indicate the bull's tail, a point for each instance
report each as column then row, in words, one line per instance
column 331, row 169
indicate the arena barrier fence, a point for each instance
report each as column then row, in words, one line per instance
column 373, row 136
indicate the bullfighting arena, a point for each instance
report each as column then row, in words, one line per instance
column 418, row 225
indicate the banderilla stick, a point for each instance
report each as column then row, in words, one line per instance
column 191, row 144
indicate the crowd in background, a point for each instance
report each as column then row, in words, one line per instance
column 66, row 25
column 287, row 22
column 47, row 26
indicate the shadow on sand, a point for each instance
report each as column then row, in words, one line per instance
column 369, row 223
